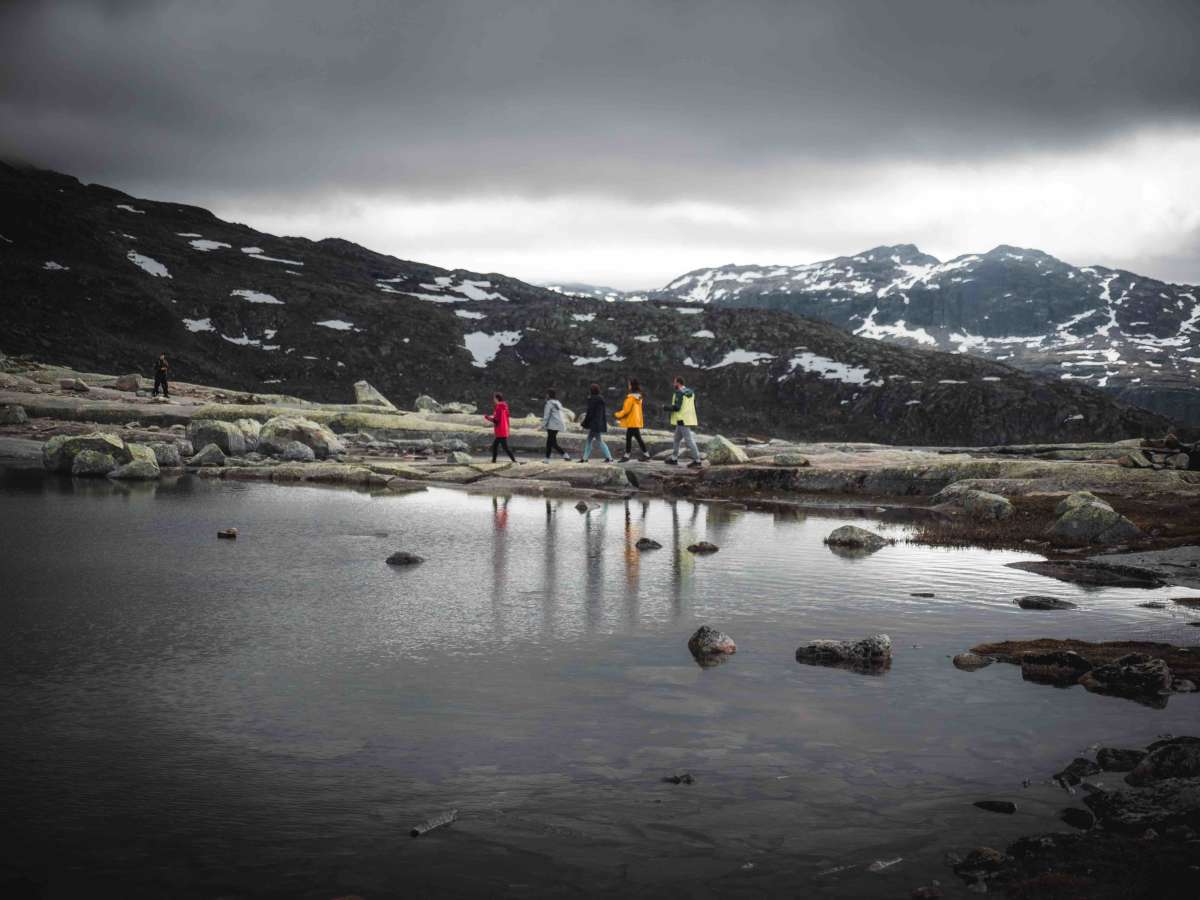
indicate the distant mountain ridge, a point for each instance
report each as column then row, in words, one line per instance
column 102, row 281
column 1136, row 337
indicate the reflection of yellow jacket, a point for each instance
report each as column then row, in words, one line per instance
column 630, row 415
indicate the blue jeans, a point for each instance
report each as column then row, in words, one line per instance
column 598, row 438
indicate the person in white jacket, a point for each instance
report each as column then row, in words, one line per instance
column 554, row 420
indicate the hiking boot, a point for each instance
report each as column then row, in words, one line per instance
column 645, row 457
column 695, row 464
column 624, row 459
column 671, row 462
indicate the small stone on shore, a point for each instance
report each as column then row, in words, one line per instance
column 404, row 558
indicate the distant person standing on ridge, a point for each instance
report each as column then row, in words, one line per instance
column 499, row 419
column 632, row 418
column 554, row 420
column 160, row 377
column 595, row 420
column 683, row 417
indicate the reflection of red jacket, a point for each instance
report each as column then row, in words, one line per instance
column 499, row 419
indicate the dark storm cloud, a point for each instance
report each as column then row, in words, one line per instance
column 630, row 99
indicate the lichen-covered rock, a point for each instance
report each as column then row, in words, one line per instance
column 143, row 466
column 58, row 453
column 465, row 409
column 280, row 431
column 297, row 452
column 458, row 458
column 1074, row 499
column 855, row 537
column 209, row 455
column 721, row 451
column 1135, row 676
column 227, row 436
column 425, row 403
column 874, row 652
column 92, row 464
column 985, row 506
column 366, row 395
column 73, row 384
column 1170, row 758
column 971, row 662
column 710, row 642
column 789, row 459
column 167, row 454
column 250, row 429
column 130, row 383
column 12, row 414
column 1096, row 523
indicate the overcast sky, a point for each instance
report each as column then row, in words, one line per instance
column 624, row 142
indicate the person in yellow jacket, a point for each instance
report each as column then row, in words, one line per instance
column 683, row 417
column 631, row 418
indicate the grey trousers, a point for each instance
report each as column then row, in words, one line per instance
column 684, row 434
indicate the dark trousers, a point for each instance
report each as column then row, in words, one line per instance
column 631, row 435
column 552, row 444
column 160, row 379
column 502, row 442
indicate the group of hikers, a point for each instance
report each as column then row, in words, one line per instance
column 631, row 416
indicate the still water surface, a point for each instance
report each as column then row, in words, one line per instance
column 187, row 717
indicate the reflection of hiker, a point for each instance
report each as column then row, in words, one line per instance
column 595, row 420
column 683, row 417
column 160, row 376
column 499, row 420
column 554, row 420
column 630, row 416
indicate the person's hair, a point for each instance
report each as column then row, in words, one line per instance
column 595, row 388
column 498, row 396
column 633, row 385
column 679, row 379
column 551, row 393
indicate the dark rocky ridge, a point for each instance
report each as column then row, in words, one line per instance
column 98, row 307
column 1133, row 336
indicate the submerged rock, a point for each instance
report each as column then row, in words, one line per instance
column 646, row 543
column 871, row 653
column 710, row 642
column 404, row 558
column 703, row 547
column 92, row 464
column 1036, row 601
column 857, row 538
column 720, row 451
column 209, row 455
column 225, row 435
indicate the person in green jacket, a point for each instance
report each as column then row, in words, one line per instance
column 683, row 417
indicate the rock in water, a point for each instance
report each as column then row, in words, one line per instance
column 1061, row 667
column 985, row 506
column 404, row 558
column 209, row 455
column 970, row 662
column 425, row 403
column 1077, row 770
column 1007, row 807
column 458, row 458
column 298, row 452
column 1134, row 676
column 703, row 547
column 582, row 506
column 143, row 466
column 12, row 414
column 710, row 642
column 167, row 454
column 1114, row 759
column 228, row 534
column 280, row 431
column 92, row 464
column 648, row 544
column 720, row 451
column 368, row 396
column 58, row 453
column 1171, row 758
column 680, row 778
column 869, row 654
column 435, row 822
column 1035, row 601
column 854, row 537
column 226, row 435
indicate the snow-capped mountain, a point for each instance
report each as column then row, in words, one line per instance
column 1131, row 335
column 102, row 281
column 598, row 292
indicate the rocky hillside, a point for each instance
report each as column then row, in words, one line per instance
column 1132, row 336
column 98, row 280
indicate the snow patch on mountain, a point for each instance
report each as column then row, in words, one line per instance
column 146, row 264
column 256, row 297
column 484, row 347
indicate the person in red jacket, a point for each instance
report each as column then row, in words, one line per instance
column 499, row 420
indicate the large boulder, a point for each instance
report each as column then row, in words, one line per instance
column 425, row 403
column 1135, row 676
column 856, row 538
column 298, row 452
column 366, row 395
column 280, row 431
column 869, row 654
column 12, row 414
column 167, row 454
column 985, row 506
column 1057, row 667
column 210, row 455
column 1159, row 805
column 92, row 464
column 1170, row 758
column 131, row 383
column 250, row 429
column 1093, row 522
column 1077, row 498
column 58, row 453
column 226, row 435
column 458, row 458
column 143, row 466
column 720, row 451
column 466, row 409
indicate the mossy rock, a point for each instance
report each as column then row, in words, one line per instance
column 58, row 453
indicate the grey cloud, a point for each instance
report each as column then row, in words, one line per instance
column 632, row 99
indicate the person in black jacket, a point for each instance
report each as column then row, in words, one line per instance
column 160, row 376
column 595, row 420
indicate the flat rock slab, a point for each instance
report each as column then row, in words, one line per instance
column 1091, row 572
column 1184, row 662
column 1177, row 565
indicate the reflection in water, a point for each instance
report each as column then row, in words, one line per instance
column 550, row 568
column 593, row 599
column 499, row 557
